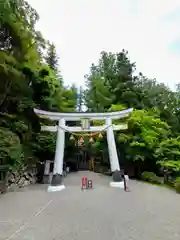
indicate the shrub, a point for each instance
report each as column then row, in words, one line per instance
column 177, row 185
column 146, row 176
column 10, row 148
column 151, row 177
column 157, row 180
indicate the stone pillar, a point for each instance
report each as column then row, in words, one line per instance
column 46, row 172
column 113, row 157
column 56, row 183
column 47, row 167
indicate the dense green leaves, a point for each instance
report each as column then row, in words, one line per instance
column 168, row 153
column 28, row 79
column 145, row 133
column 11, row 151
column 52, row 58
column 112, row 86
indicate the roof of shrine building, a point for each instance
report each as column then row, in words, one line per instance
column 80, row 115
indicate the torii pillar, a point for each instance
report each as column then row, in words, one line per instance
column 113, row 156
column 56, row 183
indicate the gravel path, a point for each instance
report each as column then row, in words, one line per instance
column 103, row 213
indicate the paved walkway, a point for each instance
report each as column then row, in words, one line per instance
column 103, row 213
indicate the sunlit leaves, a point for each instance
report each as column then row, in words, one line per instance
column 168, row 153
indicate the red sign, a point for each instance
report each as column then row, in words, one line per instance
column 84, row 183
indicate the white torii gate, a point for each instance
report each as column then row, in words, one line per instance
column 61, row 128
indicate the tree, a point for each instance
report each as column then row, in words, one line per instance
column 51, row 57
column 146, row 131
column 80, row 100
column 168, row 153
column 27, row 82
column 70, row 96
column 98, row 95
column 112, row 86
column 156, row 95
column 111, row 81
column 11, row 152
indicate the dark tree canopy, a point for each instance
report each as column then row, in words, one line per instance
column 28, row 80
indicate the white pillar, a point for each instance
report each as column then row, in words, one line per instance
column 59, row 154
column 113, row 157
column 56, row 182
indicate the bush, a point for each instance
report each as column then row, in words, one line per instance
column 177, row 185
column 10, row 148
column 151, row 177
column 146, row 176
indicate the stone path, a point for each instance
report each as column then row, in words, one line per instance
column 103, row 213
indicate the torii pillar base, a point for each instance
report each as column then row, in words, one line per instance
column 117, row 180
column 117, row 184
column 56, row 183
column 117, row 177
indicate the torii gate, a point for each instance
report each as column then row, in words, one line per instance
column 61, row 128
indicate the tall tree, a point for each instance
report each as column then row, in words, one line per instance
column 26, row 82
column 80, row 100
column 51, row 57
column 111, row 82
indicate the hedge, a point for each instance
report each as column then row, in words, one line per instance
column 151, row 177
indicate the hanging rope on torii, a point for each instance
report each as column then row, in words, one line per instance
column 81, row 136
column 91, row 136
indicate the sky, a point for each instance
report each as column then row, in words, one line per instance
column 81, row 29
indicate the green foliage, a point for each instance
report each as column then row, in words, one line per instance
column 98, row 96
column 151, row 177
column 145, row 133
column 80, row 99
column 52, row 58
column 116, row 107
column 11, row 152
column 69, row 97
column 177, row 185
column 27, row 82
column 168, row 154
column 112, row 86
column 171, row 165
column 45, row 146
